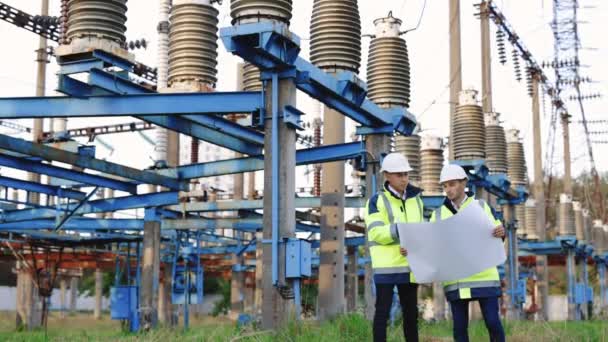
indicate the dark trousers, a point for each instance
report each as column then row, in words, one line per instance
column 489, row 310
column 409, row 306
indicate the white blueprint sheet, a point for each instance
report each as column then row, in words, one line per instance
column 455, row 248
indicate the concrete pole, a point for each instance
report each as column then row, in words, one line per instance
column 164, row 296
column 63, row 288
column 455, row 66
column 277, row 310
column 486, row 59
column 150, row 270
column 352, row 279
column 98, row 293
column 567, row 159
column 237, row 282
column 539, row 195
column 259, row 274
column 73, row 295
column 37, row 129
column 375, row 145
column 331, row 263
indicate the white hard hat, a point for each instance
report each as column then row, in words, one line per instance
column 395, row 162
column 452, row 172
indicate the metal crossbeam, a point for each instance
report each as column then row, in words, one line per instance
column 98, row 206
column 41, row 188
column 277, row 48
column 301, row 202
column 86, row 162
column 59, row 172
column 129, row 105
column 76, row 223
column 322, row 154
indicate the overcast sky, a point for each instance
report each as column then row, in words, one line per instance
column 428, row 48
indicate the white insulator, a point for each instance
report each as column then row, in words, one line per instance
column 409, row 146
column 431, row 163
column 468, row 96
column 531, row 226
column 335, row 35
column 60, row 125
column 599, row 242
column 586, row 225
column 193, row 43
column 162, row 75
column 388, row 70
column 248, row 11
column 566, row 217
column 251, row 78
column 104, row 19
column 469, row 138
column 387, row 27
column 579, row 224
column 516, row 160
column 520, row 216
column 496, row 145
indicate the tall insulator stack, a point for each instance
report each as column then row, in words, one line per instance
column 496, row 144
column 469, row 138
column 409, row 146
column 335, row 35
column 253, row 11
column 388, row 66
column 516, row 160
column 566, row 217
column 193, row 45
column 251, row 78
column 579, row 223
column 599, row 238
column 530, row 226
column 587, row 226
column 104, row 20
column 517, row 173
column 431, row 162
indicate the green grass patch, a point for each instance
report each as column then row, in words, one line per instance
column 348, row 328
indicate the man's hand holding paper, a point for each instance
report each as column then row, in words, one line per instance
column 454, row 248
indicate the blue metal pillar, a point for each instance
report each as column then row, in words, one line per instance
column 571, row 274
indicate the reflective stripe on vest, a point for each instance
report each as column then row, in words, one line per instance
column 391, row 270
column 471, row 285
column 389, row 208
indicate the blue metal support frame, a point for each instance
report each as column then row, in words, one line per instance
column 276, row 48
column 97, row 206
column 71, row 212
column 59, row 172
column 315, row 155
column 41, row 188
column 130, row 105
column 87, row 162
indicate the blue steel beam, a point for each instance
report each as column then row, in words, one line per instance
column 41, row 188
column 314, row 155
column 58, row 172
column 300, row 202
column 213, row 129
column 277, row 48
column 98, row 206
column 86, row 162
column 213, row 136
column 129, row 105
column 76, row 223
column 228, row 127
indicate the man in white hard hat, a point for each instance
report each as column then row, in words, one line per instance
column 484, row 286
column 397, row 202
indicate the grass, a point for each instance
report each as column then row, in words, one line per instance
column 349, row 328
